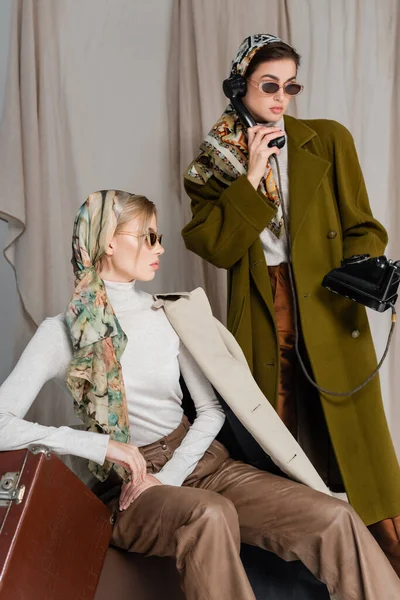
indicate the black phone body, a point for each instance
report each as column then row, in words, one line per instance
column 369, row 281
column 234, row 89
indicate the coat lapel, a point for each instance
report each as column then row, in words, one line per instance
column 306, row 172
column 223, row 363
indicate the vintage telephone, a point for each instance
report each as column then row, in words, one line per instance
column 369, row 281
column 235, row 88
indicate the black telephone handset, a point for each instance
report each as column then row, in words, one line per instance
column 234, row 89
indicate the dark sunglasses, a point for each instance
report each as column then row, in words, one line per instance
column 271, row 87
column 151, row 237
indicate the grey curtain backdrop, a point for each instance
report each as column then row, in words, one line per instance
column 85, row 109
column 120, row 94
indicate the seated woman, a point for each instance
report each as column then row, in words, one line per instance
column 179, row 493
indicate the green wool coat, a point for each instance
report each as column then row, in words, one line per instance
column 330, row 218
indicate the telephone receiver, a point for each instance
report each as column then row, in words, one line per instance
column 234, row 89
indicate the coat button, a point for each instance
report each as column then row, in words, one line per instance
column 331, row 234
column 355, row 333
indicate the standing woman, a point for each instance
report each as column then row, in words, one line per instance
column 238, row 225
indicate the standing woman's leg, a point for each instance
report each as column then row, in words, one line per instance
column 283, row 305
column 387, row 534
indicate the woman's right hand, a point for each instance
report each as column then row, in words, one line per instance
column 258, row 139
column 129, row 457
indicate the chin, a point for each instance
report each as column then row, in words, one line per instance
column 272, row 118
column 149, row 276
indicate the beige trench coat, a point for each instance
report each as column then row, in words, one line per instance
column 222, row 361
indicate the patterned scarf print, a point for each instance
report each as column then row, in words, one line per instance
column 224, row 152
column 94, row 376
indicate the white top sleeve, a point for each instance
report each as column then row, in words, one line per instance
column 46, row 357
column 208, row 422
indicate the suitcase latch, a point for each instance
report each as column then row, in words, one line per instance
column 9, row 492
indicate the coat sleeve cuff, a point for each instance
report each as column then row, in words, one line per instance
column 251, row 204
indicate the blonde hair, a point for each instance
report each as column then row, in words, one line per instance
column 135, row 207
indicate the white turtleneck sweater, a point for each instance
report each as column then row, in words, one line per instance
column 151, row 365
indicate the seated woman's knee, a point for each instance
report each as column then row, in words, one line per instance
column 340, row 511
column 219, row 510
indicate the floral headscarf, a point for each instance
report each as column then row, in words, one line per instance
column 224, row 152
column 94, row 375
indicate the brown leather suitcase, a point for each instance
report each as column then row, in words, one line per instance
column 54, row 532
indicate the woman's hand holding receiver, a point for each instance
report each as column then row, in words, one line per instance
column 258, row 139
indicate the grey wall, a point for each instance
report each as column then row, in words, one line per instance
column 8, row 294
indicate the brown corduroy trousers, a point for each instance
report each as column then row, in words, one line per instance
column 225, row 502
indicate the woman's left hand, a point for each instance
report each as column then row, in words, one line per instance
column 130, row 491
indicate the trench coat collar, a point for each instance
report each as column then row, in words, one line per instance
column 159, row 298
column 306, row 172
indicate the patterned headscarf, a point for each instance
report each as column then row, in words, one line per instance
column 224, row 152
column 94, row 375
column 247, row 49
